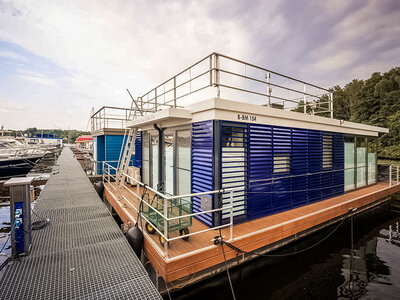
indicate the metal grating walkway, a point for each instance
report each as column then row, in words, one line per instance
column 82, row 254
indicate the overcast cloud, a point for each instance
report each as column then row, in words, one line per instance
column 60, row 58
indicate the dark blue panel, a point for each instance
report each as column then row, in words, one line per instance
column 299, row 167
column 260, row 168
column 202, row 165
column 338, row 163
column 314, row 165
column 100, row 151
column 138, row 150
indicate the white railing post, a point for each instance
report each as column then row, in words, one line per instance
column 231, row 215
column 305, row 98
column 165, row 227
column 390, row 175
column 103, row 169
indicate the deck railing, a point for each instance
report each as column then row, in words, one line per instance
column 108, row 177
column 218, row 75
column 391, row 171
column 110, row 117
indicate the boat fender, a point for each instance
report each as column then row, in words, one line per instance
column 99, row 187
column 135, row 239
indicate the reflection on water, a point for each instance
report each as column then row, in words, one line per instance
column 324, row 271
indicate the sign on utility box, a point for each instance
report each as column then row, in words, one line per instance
column 20, row 214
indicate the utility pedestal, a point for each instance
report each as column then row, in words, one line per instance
column 20, row 214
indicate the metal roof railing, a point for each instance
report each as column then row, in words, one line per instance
column 218, row 75
column 109, row 117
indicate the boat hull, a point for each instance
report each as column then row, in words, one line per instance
column 20, row 166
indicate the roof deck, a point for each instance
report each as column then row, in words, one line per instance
column 218, row 75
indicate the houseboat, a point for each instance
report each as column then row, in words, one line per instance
column 237, row 160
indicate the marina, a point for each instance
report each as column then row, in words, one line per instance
column 82, row 247
column 199, row 150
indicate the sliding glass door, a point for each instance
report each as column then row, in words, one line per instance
column 176, row 161
column 361, row 161
column 169, row 162
column 349, row 163
column 371, row 160
column 183, row 162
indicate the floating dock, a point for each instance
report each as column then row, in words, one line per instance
column 82, row 254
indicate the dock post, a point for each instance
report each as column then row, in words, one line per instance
column 231, row 216
column 390, row 175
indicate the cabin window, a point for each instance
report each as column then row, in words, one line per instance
column 234, row 137
column 371, row 160
column 349, row 163
column 361, row 145
column 327, row 151
column 281, row 163
column 183, row 161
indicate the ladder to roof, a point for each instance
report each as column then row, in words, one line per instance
column 128, row 149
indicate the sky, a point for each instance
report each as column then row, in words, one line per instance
column 58, row 59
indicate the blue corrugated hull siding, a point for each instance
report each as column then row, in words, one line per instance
column 202, row 165
column 109, row 148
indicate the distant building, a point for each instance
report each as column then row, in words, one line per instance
column 84, row 142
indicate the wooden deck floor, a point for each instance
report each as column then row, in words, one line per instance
column 248, row 236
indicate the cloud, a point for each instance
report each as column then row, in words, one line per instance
column 86, row 53
column 12, row 55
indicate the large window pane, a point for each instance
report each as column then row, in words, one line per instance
column 349, row 163
column 183, row 162
column 169, row 163
column 154, row 161
column 361, row 162
column 371, row 160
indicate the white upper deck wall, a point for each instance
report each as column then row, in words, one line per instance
column 228, row 110
column 239, row 91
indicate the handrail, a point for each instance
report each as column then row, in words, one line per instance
column 164, row 232
column 106, row 172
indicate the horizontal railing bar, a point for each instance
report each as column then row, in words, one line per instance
column 178, row 86
column 268, row 83
column 272, row 72
column 161, row 84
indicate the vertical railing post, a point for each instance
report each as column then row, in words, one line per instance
column 210, row 70
column 165, row 227
column 231, row 215
column 103, row 170
column 390, row 175
column 138, row 193
column 217, row 75
column 175, row 92
column 268, row 79
column 305, row 98
column 108, row 172
column 155, row 98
